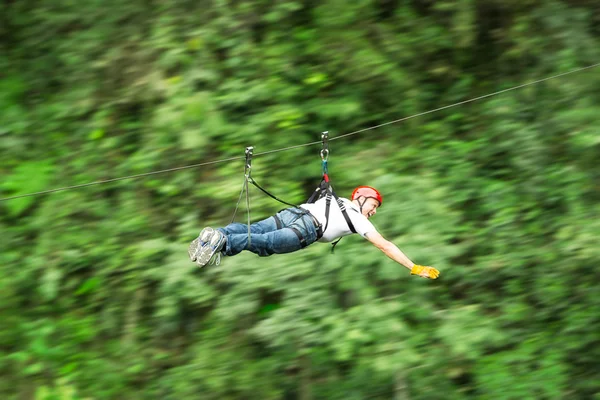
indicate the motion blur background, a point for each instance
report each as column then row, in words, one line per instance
column 98, row 299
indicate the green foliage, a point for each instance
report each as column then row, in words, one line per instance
column 98, row 299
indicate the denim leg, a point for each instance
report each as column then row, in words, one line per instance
column 276, row 242
column 266, row 239
column 233, row 245
column 266, row 225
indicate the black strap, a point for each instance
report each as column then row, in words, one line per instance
column 345, row 214
column 315, row 221
column 300, row 237
column 348, row 221
column 278, row 223
column 320, row 191
column 334, row 244
column 270, row 195
column 327, row 208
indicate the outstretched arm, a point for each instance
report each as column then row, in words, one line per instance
column 393, row 252
column 389, row 249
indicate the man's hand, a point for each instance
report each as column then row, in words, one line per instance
column 425, row 272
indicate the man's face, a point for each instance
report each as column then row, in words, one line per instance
column 369, row 208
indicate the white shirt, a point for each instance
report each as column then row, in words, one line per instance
column 337, row 226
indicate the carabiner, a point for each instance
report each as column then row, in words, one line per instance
column 325, row 150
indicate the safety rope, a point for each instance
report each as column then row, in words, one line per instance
column 247, row 178
column 249, row 151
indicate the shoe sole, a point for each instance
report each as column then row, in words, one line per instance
column 202, row 240
column 208, row 251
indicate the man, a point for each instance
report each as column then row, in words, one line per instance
column 295, row 228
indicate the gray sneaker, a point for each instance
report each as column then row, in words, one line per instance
column 198, row 243
column 211, row 251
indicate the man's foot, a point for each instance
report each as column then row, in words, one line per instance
column 213, row 242
column 198, row 243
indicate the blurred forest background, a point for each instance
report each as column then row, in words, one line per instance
column 98, row 299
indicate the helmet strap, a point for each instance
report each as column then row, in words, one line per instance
column 362, row 204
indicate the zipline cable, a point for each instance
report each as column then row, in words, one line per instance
column 300, row 145
column 120, row 179
column 467, row 101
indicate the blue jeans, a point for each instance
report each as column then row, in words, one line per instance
column 267, row 238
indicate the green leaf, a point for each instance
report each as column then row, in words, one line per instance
column 26, row 178
column 88, row 286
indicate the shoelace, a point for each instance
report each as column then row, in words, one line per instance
column 215, row 259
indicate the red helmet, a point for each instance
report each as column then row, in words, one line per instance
column 367, row 191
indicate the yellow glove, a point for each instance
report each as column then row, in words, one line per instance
column 425, row 272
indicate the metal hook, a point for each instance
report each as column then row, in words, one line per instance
column 248, row 167
column 325, row 150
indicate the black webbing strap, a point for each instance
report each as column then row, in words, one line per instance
column 300, row 237
column 346, row 217
column 345, row 213
column 318, row 192
column 334, row 244
column 278, row 223
column 252, row 181
column 327, row 208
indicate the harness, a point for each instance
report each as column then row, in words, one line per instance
column 323, row 190
column 326, row 190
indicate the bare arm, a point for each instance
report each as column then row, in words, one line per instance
column 389, row 249
column 393, row 252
